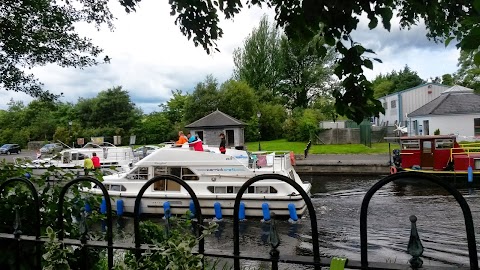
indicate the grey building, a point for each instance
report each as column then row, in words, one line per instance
column 398, row 105
column 209, row 127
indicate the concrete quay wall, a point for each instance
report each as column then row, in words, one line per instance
column 343, row 164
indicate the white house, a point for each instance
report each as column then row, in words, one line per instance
column 398, row 105
column 455, row 111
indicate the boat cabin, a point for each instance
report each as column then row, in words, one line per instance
column 438, row 153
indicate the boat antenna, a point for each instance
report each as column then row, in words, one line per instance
column 66, row 145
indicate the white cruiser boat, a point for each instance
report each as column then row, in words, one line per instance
column 214, row 177
column 112, row 159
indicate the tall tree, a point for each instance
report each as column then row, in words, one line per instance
column 304, row 74
column 203, row 100
column 468, row 73
column 240, row 94
column 257, row 62
column 395, row 82
column 174, row 108
column 111, row 108
column 405, row 79
column 114, row 108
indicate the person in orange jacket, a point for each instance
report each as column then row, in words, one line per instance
column 181, row 138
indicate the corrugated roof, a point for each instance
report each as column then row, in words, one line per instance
column 216, row 119
column 455, row 100
column 413, row 88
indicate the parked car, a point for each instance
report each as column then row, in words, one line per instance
column 51, row 148
column 10, row 148
column 144, row 151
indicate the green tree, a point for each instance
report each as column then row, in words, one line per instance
column 174, row 108
column 39, row 32
column 203, row 100
column 111, row 108
column 405, row 79
column 240, row 94
column 447, row 79
column 468, row 73
column 395, row 82
column 304, row 74
column 382, row 86
column 155, row 128
column 258, row 61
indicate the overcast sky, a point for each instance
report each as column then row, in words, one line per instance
column 150, row 57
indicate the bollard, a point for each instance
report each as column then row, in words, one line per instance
column 218, row 210
column 266, row 211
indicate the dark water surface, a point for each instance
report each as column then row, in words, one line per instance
column 337, row 202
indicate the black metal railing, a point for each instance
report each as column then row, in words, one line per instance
column 415, row 248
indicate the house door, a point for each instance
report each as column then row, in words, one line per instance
column 230, row 137
column 427, row 154
column 426, row 127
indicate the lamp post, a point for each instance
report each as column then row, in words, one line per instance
column 70, row 131
column 259, row 114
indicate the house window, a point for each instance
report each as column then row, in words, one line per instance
column 393, row 104
column 385, row 105
column 476, row 126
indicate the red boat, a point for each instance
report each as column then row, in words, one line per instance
column 440, row 155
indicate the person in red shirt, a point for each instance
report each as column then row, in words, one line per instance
column 96, row 161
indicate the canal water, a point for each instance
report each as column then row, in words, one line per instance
column 337, row 202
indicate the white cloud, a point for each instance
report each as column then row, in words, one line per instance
column 150, row 57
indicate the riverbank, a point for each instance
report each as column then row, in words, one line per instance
column 325, row 164
column 344, row 164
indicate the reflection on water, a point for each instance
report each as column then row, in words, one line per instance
column 337, row 202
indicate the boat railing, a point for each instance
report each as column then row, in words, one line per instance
column 473, row 144
column 464, row 151
column 276, row 160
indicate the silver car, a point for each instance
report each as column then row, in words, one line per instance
column 144, row 151
column 51, row 148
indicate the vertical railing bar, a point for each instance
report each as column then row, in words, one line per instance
column 467, row 214
column 109, row 213
column 306, row 198
column 138, row 199
column 36, row 201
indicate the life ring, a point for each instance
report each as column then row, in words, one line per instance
column 393, row 170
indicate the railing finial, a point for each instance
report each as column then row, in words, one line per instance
column 415, row 247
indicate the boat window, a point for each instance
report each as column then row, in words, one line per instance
column 291, row 175
column 159, row 185
column 166, row 185
column 477, row 163
column 188, row 175
column 427, row 147
column 261, row 189
column 220, row 189
column 235, row 189
column 159, row 171
column 140, row 173
column 117, row 188
column 411, row 144
column 443, row 143
column 175, row 171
